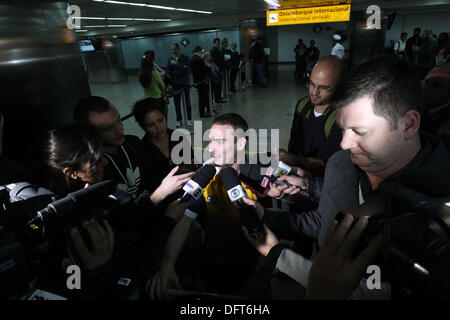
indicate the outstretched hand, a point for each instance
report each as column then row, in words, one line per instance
column 170, row 184
column 334, row 274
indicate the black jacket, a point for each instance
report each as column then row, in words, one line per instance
column 308, row 138
column 257, row 53
column 217, row 57
column 199, row 69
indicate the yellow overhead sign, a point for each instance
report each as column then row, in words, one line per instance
column 308, row 15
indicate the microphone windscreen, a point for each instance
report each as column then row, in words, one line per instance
column 204, row 175
column 230, row 178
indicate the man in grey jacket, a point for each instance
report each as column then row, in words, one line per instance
column 378, row 109
column 425, row 55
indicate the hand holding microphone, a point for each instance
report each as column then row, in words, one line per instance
column 236, row 193
column 169, row 185
column 194, row 187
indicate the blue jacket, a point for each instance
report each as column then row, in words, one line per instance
column 179, row 72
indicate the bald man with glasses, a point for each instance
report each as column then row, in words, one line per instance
column 314, row 133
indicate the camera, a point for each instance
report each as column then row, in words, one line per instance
column 416, row 259
column 34, row 234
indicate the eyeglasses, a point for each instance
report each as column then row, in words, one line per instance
column 321, row 89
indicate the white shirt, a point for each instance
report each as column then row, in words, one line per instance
column 338, row 50
column 399, row 46
column 317, row 114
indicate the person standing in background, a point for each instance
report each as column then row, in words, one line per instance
column 178, row 69
column 242, row 67
column 416, row 41
column 300, row 58
column 151, row 82
column 234, row 67
column 400, row 46
column 425, row 57
column 200, row 73
column 257, row 58
column 217, row 61
column 312, row 56
column 338, row 49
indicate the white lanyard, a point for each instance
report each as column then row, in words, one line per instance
column 117, row 168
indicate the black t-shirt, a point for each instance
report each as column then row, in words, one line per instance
column 199, row 69
column 308, row 137
column 161, row 165
column 130, row 168
column 127, row 167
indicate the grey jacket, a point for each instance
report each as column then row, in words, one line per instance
column 341, row 192
column 426, row 55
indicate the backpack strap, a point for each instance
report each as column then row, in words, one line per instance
column 301, row 104
column 329, row 123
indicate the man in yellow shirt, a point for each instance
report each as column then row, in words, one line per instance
column 227, row 260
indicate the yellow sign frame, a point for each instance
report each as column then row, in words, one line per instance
column 308, row 15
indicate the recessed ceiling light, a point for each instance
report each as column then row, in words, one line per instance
column 157, row 6
column 90, row 18
column 116, row 2
column 273, row 3
column 160, row 7
column 107, row 26
column 144, row 19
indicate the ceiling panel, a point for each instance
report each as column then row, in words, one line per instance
column 233, row 10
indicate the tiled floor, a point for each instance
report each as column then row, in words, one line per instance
column 263, row 108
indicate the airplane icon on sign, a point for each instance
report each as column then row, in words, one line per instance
column 273, row 17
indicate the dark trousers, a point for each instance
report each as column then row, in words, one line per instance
column 259, row 73
column 217, row 89
column 300, row 66
column 177, row 100
column 233, row 79
column 203, row 99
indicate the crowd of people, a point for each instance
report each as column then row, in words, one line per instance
column 423, row 50
column 307, row 57
column 353, row 138
column 219, row 69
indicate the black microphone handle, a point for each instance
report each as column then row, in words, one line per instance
column 185, row 197
column 302, row 192
column 250, row 219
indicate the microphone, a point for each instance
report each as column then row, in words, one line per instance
column 251, row 175
column 79, row 200
column 236, row 193
column 194, row 187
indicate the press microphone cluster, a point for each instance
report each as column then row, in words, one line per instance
column 194, row 187
column 236, row 193
column 251, row 174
